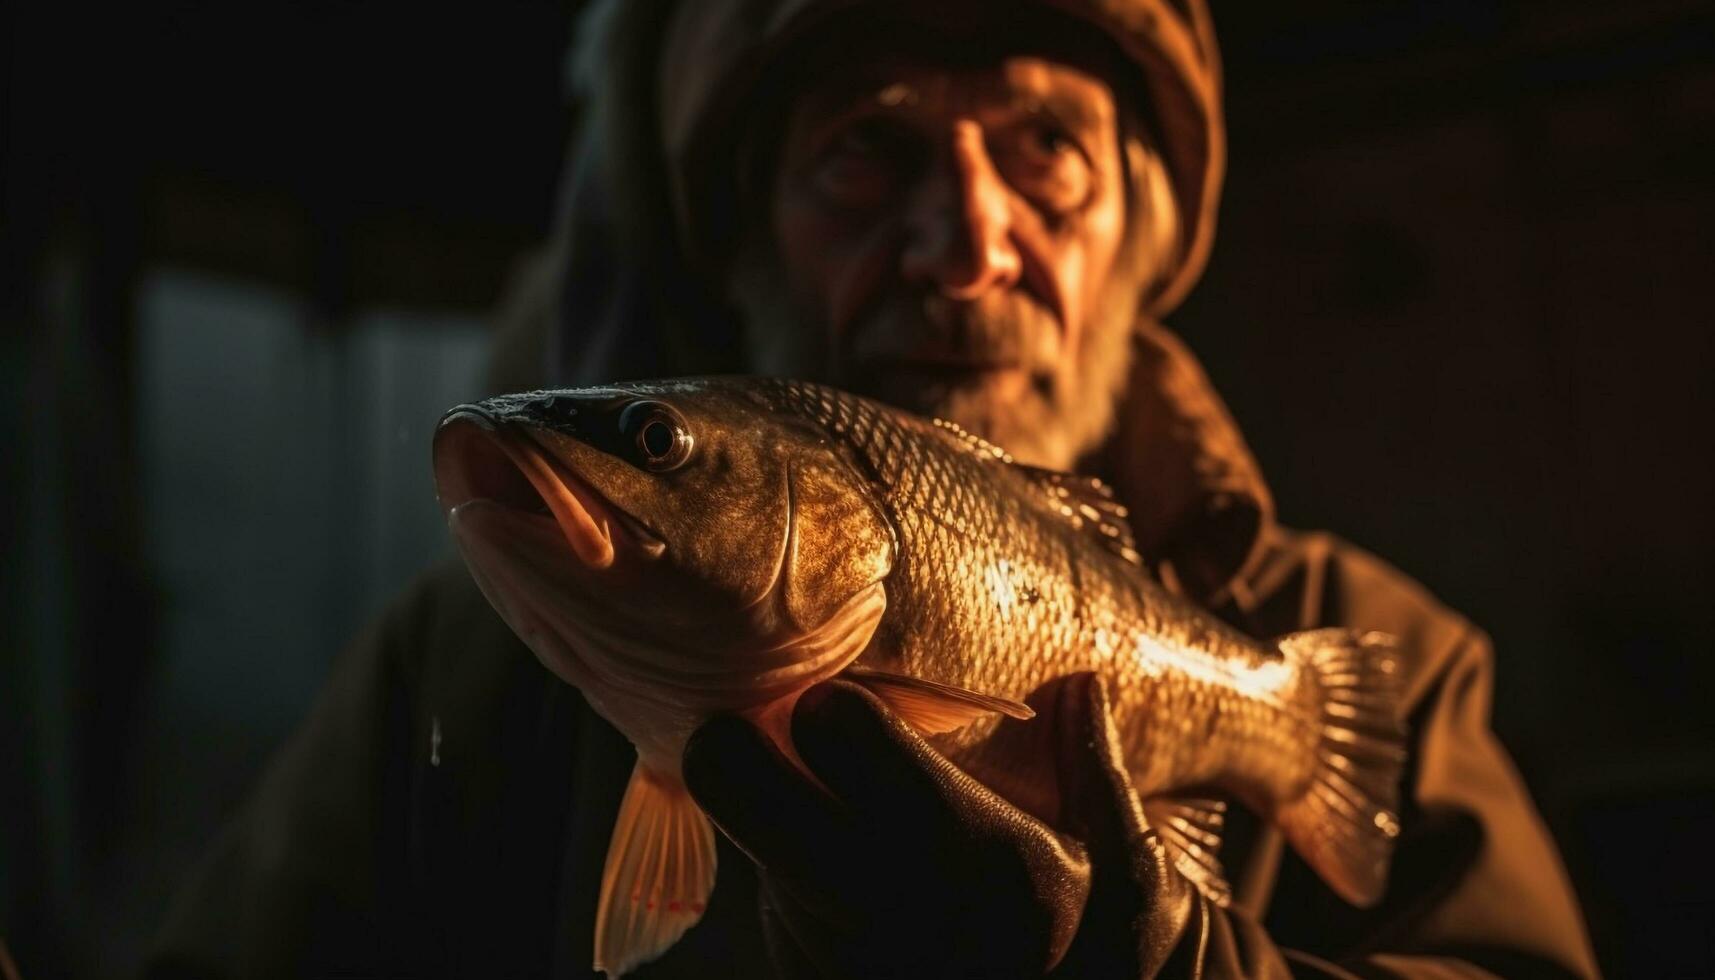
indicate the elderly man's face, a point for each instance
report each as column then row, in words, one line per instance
column 948, row 240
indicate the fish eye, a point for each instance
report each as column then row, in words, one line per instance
column 659, row 435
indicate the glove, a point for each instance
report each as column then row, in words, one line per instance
column 895, row 862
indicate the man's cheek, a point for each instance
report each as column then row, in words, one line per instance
column 816, row 249
column 799, row 235
column 859, row 270
column 1065, row 257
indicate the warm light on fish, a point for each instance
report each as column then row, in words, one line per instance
column 686, row 548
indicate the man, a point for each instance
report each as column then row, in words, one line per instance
column 974, row 211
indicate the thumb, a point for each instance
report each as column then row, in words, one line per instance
column 1139, row 902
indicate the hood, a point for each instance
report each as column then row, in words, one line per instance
column 618, row 294
column 658, row 83
column 716, row 51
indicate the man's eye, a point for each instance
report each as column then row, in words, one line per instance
column 862, row 164
column 1048, row 143
column 1047, row 165
column 865, row 139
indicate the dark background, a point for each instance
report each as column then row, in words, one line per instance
column 1459, row 301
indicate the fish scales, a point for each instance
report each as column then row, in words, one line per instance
column 997, row 591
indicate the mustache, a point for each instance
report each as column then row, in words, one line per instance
column 1006, row 329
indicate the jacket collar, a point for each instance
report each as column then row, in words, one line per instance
column 1199, row 507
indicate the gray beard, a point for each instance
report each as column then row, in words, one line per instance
column 1065, row 411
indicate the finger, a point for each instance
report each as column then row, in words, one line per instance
column 942, row 820
column 1102, row 806
column 758, row 798
column 871, row 758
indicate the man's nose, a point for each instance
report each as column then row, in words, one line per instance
column 959, row 236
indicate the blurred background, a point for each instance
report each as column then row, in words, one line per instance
column 1460, row 303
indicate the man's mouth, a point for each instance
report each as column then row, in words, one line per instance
column 998, row 344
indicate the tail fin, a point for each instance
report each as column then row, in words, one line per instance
column 1345, row 824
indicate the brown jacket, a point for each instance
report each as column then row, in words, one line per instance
column 446, row 808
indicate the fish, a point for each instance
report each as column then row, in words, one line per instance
column 684, row 548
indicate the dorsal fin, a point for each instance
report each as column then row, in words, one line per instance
column 1088, row 505
column 975, row 443
column 1085, row 502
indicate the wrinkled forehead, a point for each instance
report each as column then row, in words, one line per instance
column 1019, row 84
column 1021, row 47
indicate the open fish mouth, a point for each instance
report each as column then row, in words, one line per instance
column 511, row 500
column 483, row 461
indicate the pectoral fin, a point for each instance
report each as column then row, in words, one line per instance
column 933, row 708
column 660, row 871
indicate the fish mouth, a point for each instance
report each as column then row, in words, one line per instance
column 481, row 461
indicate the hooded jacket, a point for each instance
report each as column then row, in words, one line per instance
column 445, row 809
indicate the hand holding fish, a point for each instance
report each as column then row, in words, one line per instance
column 892, row 861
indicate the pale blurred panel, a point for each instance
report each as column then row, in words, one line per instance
column 287, row 480
column 235, row 395
column 404, row 370
column 287, row 496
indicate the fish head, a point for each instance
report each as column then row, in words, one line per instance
column 680, row 542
